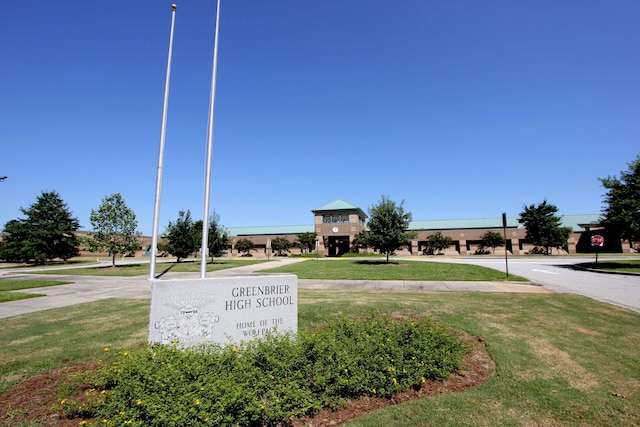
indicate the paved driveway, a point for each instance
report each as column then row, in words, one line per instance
column 558, row 274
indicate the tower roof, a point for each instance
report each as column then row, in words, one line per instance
column 339, row 205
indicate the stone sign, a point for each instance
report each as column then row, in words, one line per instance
column 222, row 310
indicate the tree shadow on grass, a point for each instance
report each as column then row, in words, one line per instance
column 376, row 262
column 604, row 267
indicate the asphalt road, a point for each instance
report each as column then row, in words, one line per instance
column 558, row 274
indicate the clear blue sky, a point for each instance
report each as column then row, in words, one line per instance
column 464, row 109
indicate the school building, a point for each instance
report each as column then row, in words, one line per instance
column 337, row 223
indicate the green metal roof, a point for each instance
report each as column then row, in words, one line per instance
column 453, row 224
column 574, row 221
column 339, row 205
column 268, row 230
column 336, row 205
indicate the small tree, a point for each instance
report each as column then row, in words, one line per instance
column 543, row 226
column 437, row 242
column 47, row 232
column 114, row 227
column 492, row 239
column 621, row 214
column 163, row 248
column 360, row 242
column 280, row 245
column 180, row 236
column 306, row 241
column 388, row 226
column 217, row 240
column 245, row 246
column 196, row 234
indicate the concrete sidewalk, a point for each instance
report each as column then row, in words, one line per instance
column 94, row 288
column 414, row 285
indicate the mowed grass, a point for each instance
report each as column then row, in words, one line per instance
column 357, row 269
column 623, row 266
column 8, row 285
column 47, row 264
column 37, row 342
column 561, row 359
column 143, row 269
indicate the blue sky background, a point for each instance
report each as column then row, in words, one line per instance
column 463, row 108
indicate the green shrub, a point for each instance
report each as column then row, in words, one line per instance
column 271, row 381
column 308, row 255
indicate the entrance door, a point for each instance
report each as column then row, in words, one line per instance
column 338, row 245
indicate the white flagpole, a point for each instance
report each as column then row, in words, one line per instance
column 207, row 174
column 163, row 131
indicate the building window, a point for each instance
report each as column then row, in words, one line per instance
column 335, row 219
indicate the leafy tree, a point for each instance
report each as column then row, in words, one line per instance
column 437, row 242
column 180, row 236
column 360, row 241
column 621, row 215
column 47, row 232
column 244, row 246
column 544, row 226
column 163, row 248
column 280, row 245
column 388, row 226
column 492, row 239
column 114, row 227
column 196, row 234
column 306, row 241
column 218, row 236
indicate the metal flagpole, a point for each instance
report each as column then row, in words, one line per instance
column 163, row 131
column 207, row 174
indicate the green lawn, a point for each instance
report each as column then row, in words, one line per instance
column 16, row 284
column 41, row 341
column 561, row 359
column 47, row 264
column 370, row 269
column 143, row 269
column 7, row 285
column 626, row 266
column 14, row 296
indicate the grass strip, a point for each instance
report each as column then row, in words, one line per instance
column 17, row 284
column 14, row 296
column 358, row 269
column 129, row 270
column 7, row 285
column 626, row 266
column 47, row 264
